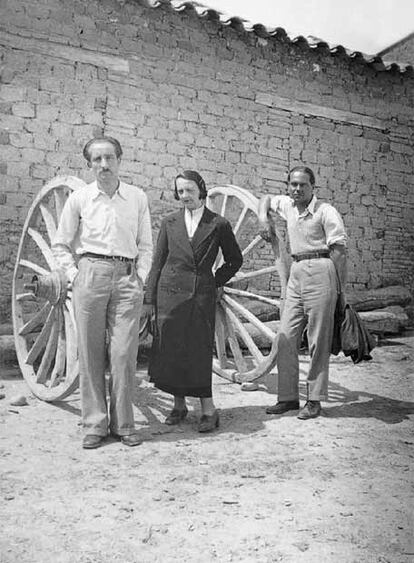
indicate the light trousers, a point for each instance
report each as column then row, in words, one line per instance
column 310, row 300
column 108, row 299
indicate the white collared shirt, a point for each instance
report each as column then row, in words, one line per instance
column 192, row 220
column 316, row 228
column 92, row 221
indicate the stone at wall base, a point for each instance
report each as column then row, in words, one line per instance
column 7, row 351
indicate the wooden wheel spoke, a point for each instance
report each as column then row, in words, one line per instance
column 255, row 273
column 60, row 359
column 60, row 200
column 42, row 339
column 223, row 205
column 37, row 320
column 257, row 239
column 21, row 297
column 43, row 246
column 245, row 313
column 35, row 267
column 218, row 261
column 249, row 294
column 240, row 219
column 220, row 337
column 235, row 346
column 50, row 351
column 49, row 221
column 244, row 335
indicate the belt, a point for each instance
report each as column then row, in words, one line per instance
column 311, row 255
column 106, row 257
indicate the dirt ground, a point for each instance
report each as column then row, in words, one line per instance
column 260, row 489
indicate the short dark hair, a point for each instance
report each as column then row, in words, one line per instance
column 116, row 144
column 195, row 177
column 304, row 169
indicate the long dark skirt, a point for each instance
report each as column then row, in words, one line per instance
column 182, row 351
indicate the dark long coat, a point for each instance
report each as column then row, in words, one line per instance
column 182, row 286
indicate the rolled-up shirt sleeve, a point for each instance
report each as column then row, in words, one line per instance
column 334, row 227
column 279, row 203
column 144, row 240
column 62, row 246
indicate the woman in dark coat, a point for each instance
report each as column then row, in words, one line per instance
column 183, row 290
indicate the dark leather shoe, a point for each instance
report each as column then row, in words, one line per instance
column 312, row 409
column 209, row 422
column 283, row 406
column 92, row 441
column 176, row 416
column 131, row 440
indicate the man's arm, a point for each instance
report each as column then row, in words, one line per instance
column 338, row 257
column 264, row 221
column 65, row 235
column 144, row 241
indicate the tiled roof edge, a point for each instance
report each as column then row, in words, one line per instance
column 264, row 32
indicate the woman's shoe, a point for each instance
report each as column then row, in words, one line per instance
column 176, row 416
column 209, row 422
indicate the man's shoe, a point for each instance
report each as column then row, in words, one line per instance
column 209, row 422
column 312, row 409
column 92, row 441
column 283, row 406
column 131, row 440
column 176, row 416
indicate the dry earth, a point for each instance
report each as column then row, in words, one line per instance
column 261, row 489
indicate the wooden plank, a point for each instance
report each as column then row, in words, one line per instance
column 314, row 110
column 52, row 49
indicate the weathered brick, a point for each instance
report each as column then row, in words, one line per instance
column 23, row 109
column 11, row 93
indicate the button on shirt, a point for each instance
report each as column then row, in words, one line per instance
column 92, row 221
column 192, row 220
column 317, row 228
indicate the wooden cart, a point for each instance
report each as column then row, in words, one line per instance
column 43, row 319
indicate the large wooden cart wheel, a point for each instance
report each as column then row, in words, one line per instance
column 43, row 320
column 239, row 358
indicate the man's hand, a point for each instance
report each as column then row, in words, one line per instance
column 265, row 230
column 338, row 257
column 265, row 225
column 148, row 310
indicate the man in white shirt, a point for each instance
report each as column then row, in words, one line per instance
column 318, row 243
column 104, row 244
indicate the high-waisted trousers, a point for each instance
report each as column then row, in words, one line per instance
column 310, row 300
column 107, row 302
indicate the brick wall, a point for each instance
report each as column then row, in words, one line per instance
column 182, row 91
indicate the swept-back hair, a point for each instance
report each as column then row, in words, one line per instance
column 195, row 177
column 306, row 170
column 114, row 142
